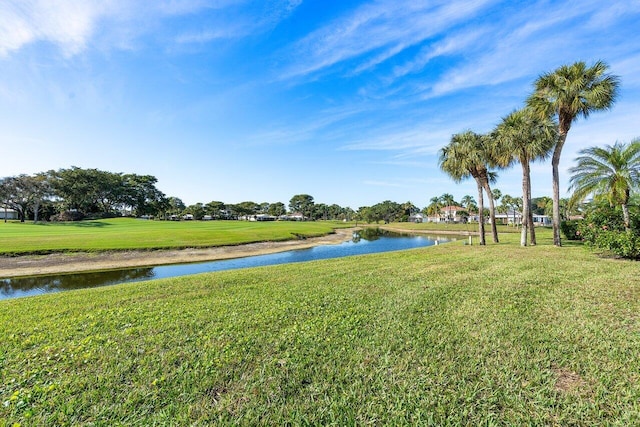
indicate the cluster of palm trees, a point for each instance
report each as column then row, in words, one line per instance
column 534, row 132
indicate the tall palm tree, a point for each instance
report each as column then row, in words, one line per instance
column 567, row 93
column 521, row 137
column 611, row 172
column 464, row 157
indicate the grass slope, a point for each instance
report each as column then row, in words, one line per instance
column 126, row 233
column 447, row 335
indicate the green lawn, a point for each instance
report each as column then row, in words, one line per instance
column 127, row 233
column 446, row 335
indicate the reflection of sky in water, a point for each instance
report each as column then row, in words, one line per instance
column 20, row 287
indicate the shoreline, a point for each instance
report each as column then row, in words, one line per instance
column 77, row 262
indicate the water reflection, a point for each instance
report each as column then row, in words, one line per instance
column 364, row 242
column 24, row 286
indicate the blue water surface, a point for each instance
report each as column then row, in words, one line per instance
column 359, row 245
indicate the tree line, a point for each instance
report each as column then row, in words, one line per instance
column 76, row 193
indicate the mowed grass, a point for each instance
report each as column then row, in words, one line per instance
column 126, row 233
column 446, row 335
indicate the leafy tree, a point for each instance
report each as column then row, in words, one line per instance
column 569, row 92
column 522, row 137
column 215, row 209
column 247, row 208
column 141, row 194
column 542, row 205
column 277, row 209
column 302, row 203
column 386, row 211
column 175, row 206
column 612, row 172
column 197, row 210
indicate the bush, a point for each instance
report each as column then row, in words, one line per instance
column 68, row 216
column 603, row 228
column 570, row 229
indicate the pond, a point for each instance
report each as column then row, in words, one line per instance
column 365, row 242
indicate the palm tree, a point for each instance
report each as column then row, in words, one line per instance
column 524, row 138
column 448, row 199
column 434, row 207
column 567, row 93
column 464, row 157
column 469, row 203
column 611, row 172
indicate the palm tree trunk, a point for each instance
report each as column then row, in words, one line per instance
column 480, row 212
column 563, row 129
column 525, row 202
column 625, row 215
column 532, row 228
column 492, row 211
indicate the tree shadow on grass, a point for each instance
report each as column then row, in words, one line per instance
column 81, row 224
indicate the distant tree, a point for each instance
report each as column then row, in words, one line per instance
column 569, row 92
column 215, row 209
column 448, row 199
column 141, row 194
column 247, row 208
column 469, row 203
column 197, row 210
column 302, row 203
column 277, row 209
column 542, row 205
column 434, row 207
column 263, row 208
column 18, row 194
column 386, row 211
column 496, row 194
column 88, row 190
column 175, row 206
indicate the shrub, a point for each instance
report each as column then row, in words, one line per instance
column 570, row 229
column 603, row 228
column 68, row 216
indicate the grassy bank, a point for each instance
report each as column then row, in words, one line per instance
column 126, row 233
column 447, row 335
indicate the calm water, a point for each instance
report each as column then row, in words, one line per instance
column 359, row 245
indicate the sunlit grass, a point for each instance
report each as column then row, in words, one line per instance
column 127, row 233
column 447, row 335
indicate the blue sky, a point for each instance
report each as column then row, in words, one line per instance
column 348, row 101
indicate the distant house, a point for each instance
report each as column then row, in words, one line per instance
column 292, row 217
column 6, row 213
column 417, row 217
column 450, row 214
column 515, row 218
column 508, row 218
column 541, row 220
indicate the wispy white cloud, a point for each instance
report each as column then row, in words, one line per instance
column 68, row 24
column 240, row 19
column 390, row 26
column 72, row 25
